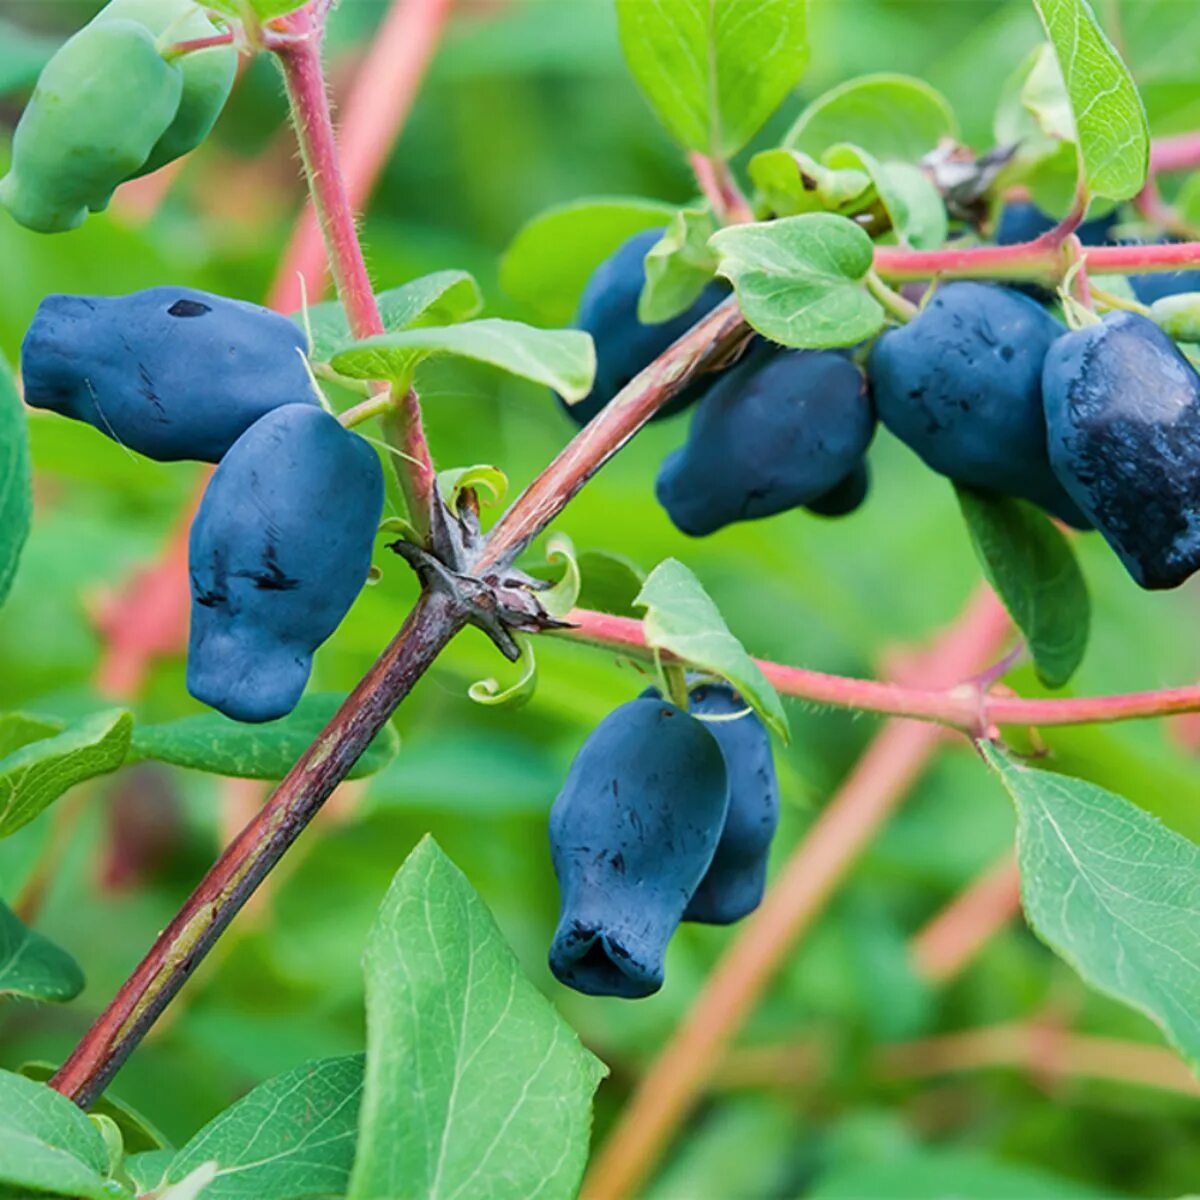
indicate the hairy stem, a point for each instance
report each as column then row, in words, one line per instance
column 249, row 858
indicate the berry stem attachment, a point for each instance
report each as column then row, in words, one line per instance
column 899, row 306
column 720, row 189
column 180, row 49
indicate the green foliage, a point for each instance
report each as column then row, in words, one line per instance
column 714, row 70
column 475, row 1086
column 35, row 775
column 1110, row 121
column 913, row 204
column 792, row 183
column 561, row 359
column 800, row 280
column 549, row 261
column 678, row 267
column 1113, row 891
column 211, row 742
column 1035, row 572
column 16, row 500
column 262, row 10
column 682, row 619
column 33, row 967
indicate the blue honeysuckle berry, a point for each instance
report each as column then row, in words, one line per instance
column 279, row 550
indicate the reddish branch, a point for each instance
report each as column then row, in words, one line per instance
column 1178, row 153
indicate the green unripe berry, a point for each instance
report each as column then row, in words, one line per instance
column 100, row 106
column 207, row 74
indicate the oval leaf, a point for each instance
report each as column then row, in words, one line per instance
column 562, row 359
column 549, row 262
column 32, row 966
column 892, row 117
column 714, row 70
column 290, row 1137
column 16, row 495
column 1113, row 891
column 1035, row 573
column 213, row 743
column 682, row 619
column 438, row 299
column 799, row 280
column 34, row 776
column 1110, row 121
column 475, row 1085
column 914, row 205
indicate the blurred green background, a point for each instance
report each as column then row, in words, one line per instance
column 528, row 105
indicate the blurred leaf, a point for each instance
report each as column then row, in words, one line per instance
column 138, row 1133
column 22, row 56
column 442, row 298
column 197, row 1183
column 1035, row 573
column 892, row 117
column 16, row 492
column 792, row 183
column 34, row 776
column 1178, row 316
column 213, row 743
column 32, row 966
column 1110, row 121
column 714, row 70
column 799, row 280
column 148, row 1168
column 946, row 1175
column 560, row 358
column 475, row 1086
column 19, row 729
column 291, row 1137
column 913, row 204
column 681, row 618
column 47, row 1144
column 610, row 582
column 1113, row 892
column 550, row 260
column 679, row 266
column 264, row 10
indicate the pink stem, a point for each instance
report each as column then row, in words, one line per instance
column 1179, row 153
column 963, row 707
column 179, row 49
column 720, row 189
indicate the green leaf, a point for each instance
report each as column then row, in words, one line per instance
column 290, row 1137
column 196, row 1184
column 213, row 743
column 148, row 1169
column 892, row 117
column 561, row 597
column 443, row 298
column 1112, row 891
column 47, row 1144
column 1110, row 121
column 16, row 495
column 138, row 1133
column 562, row 359
column 913, row 204
column 549, row 262
column 800, row 280
column 791, row 183
column 18, row 729
column 1178, row 316
column 682, row 619
column 492, row 693
column 32, row 966
column 484, row 480
column 263, row 10
column 34, row 776
column 714, row 70
column 611, row 582
column 679, row 266
column 1033, row 568
column 475, row 1085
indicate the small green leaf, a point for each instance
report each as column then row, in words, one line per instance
column 562, row 359
column 34, row 776
column 682, row 619
column 1110, row 121
column 714, row 70
column 443, row 298
column 47, row 1144
column 16, row 495
column 892, row 117
column 290, row 1137
column 611, row 582
column 32, row 966
column 213, row 743
column 263, row 10
column 475, row 1085
column 559, row 599
column 914, row 205
column 480, row 478
column 800, row 280
column 679, row 266
column 493, row 694
column 1112, row 891
column 1035, row 573
column 1178, row 316
column 791, row 183
column 549, row 262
